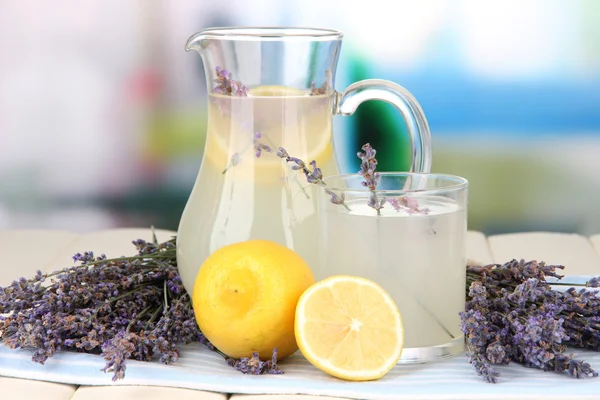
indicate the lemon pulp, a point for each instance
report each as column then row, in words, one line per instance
column 350, row 328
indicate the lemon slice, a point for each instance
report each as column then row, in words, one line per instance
column 350, row 328
column 276, row 90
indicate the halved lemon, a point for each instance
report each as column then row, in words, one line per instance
column 350, row 328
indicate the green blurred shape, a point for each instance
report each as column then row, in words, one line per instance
column 177, row 133
column 380, row 124
column 505, row 185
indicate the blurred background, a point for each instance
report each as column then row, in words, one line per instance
column 103, row 113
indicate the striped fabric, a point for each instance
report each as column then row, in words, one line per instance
column 199, row 368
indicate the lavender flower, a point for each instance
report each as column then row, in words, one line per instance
column 314, row 176
column 368, row 166
column 483, row 367
column 496, row 353
column 123, row 308
column 371, row 178
column 116, row 351
column 513, row 314
column 256, row 145
column 336, row 199
column 409, row 205
column 594, row 282
column 254, row 366
column 226, row 85
column 323, row 89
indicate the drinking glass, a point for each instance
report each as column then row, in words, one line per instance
column 414, row 247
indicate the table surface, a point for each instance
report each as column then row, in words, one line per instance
column 53, row 249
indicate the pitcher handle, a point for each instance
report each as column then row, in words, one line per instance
column 379, row 89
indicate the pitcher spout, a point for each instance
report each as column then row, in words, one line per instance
column 195, row 42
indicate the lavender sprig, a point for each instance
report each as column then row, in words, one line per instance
column 407, row 204
column 513, row 314
column 256, row 145
column 323, row 89
column 122, row 308
column 315, row 176
column 371, row 177
column 254, row 366
column 226, row 85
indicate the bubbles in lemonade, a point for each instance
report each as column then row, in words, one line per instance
column 243, row 194
column 408, row 255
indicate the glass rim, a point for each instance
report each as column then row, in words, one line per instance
column 270, row 33
column 459, row 183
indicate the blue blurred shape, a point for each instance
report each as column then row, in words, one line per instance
column 460, row 104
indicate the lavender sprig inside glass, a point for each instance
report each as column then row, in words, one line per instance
column 367, row 171
column 371, row 177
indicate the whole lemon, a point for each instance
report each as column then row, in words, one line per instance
column 245, row 298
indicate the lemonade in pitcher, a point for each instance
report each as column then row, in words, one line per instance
column 249, row 190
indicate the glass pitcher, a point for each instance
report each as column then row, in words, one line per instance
column 272, row 89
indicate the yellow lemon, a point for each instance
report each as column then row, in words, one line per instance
column 245, row 298
column 350, row 328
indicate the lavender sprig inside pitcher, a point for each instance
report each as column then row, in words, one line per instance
column 323, row 89
column 315, row 176
column 225, row 84
column 256, row 145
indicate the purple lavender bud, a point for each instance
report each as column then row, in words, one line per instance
column 335, row 199
column 496, row 353
column 367, row 169
column 394, row 202
column 580, row 369
column 594, row 282
column 282, row 153
column 317, row 174
column 483, row 368
column 372, row 202
column 477, row 292
column 369, row 152
column 273, row 367
column 226, row 85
